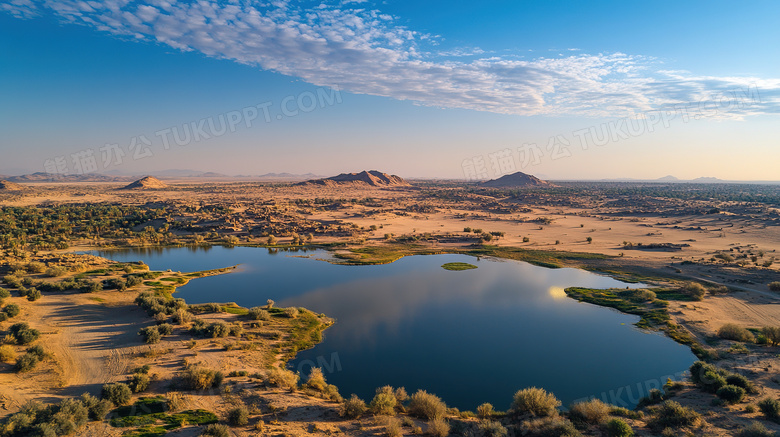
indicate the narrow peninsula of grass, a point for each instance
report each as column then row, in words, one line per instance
column 458, row 266
column 644, row 303
column 150, row 418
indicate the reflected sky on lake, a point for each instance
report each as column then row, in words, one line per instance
column 469, row 336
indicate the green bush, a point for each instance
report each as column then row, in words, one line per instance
column 23, row 334
column 117, row 393
column 740, row 381
column 33, row 294
column 150, row 334
column 181, row 316
column 770, row 408
column 283, row 378
column 165, row 329
column 12, row 310
column 26, row 362
column 755, row 429
column 98, row 408
column 353, row 408
column 593, row 411
column 217, row 329
column 258, row 313
column 619, row 428
column 734, row 332
column 731, row 394
column 291, row 312
column 694, row 290
column 426, row 406
column 139, row 382
column 536, row 401
column 217, row 430
column 238, row 416
column 774, row 286
column 384, row 402
column 671, row 414
column 4, row 293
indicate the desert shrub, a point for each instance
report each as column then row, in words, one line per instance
column 619, row 428
column 22, row 333
column 671, row 414
column 118, row 284
column 33, row 294
column 181, row 316
column 97, row 408
column 694, row 290
column 730, row 331
column 88, row 286
column 332, row 392
column 217, row 329
column 283, row 378
column 731, row 394
column 401, row 395
column 12, row 310
column 438, row 427
column 4, row 293
column 755, row 429
column 384, row 401
column 536, row 401
column 56, row 271
column 485, row 411
column 548, row 427
column 353, row 408
column 642, row 295
column 150, row 334
column 133, row 281
column 118, row 393
column 707, row 377
column 7, row 353
column 217, row 430
column 165, row 328
column 200, row 378
column 316, row 380
column 238, row 416
column 774, row 286
column 236, row 329
column 593, row 411
column 772, row 334
column 291, row 312
column 175, row 401
column 492, row 428
column 26, row 362
column 393, row 427
column 139, row 382
column 740, row 381
column 258, row 313
column 426, row 406
column 770, row 408
column 35, row 267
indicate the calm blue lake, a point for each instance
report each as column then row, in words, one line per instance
column 468, row 336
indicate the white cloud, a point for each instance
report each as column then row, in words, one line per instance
column 362, row 50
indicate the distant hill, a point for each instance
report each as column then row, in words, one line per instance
column 10, row 186
column 516, row 180
column 372, row 178
column 49, row 177
column 147, row 183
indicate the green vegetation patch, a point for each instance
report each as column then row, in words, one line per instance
column 150, row 418
column 543, row 258
column 305, row 332
column 458, row 266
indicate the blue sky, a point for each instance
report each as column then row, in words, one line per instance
column 425, row 89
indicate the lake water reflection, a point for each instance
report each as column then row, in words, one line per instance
column 468, row 336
